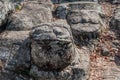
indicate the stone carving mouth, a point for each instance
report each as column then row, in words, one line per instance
column 48, row 44
column 52, row 54
column 47, row 41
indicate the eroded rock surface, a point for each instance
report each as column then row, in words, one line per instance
column 12, row 56
column 55, row 56
column 5, row 10
column 85, row 24
column 52, row 46
column 77, row 70
column 49, row 51
column 36, row 45
column 115, row 22
column 63, row 9
column 31, row 14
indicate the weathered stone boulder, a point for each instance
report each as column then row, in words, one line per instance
column 31, row 14
column 5, row 10
column 63, row 9
column 54, row 55
column 77, row 70
column 85, row 6
column 14, row 55
column 52, row 46
column 46, row 3
column 48, row 54
column 85, row 24
column 15, row 47
column 85, row 19
column 10, row 41
column 115, row 21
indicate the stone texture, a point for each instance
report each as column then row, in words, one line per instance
column 77, row 70
column 46, row 3
column 115, row 21
column 85, row 24
column 63, row 9
column 116, row 1
column 112, row 70
column 35, row 48
column 9, row 44
column 15, row 59
column 85, row 6
column 32, row 14
column 48, row 54
column 52, row 46
column 12, row 56
column 105, row 51
column 54, row 55
column 5, row 10
column 64, row 1
column 13, row 76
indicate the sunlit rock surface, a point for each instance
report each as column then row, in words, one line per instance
column 86, row 23
column 67, row 40
column 5, row 10
column 64, row 8
column 13, row 56
column 30, row 15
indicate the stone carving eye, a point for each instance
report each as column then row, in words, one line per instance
column 57, row 31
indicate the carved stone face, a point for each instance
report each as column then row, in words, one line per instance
column 52, row 47
column 85, row 24
column 84, row 21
